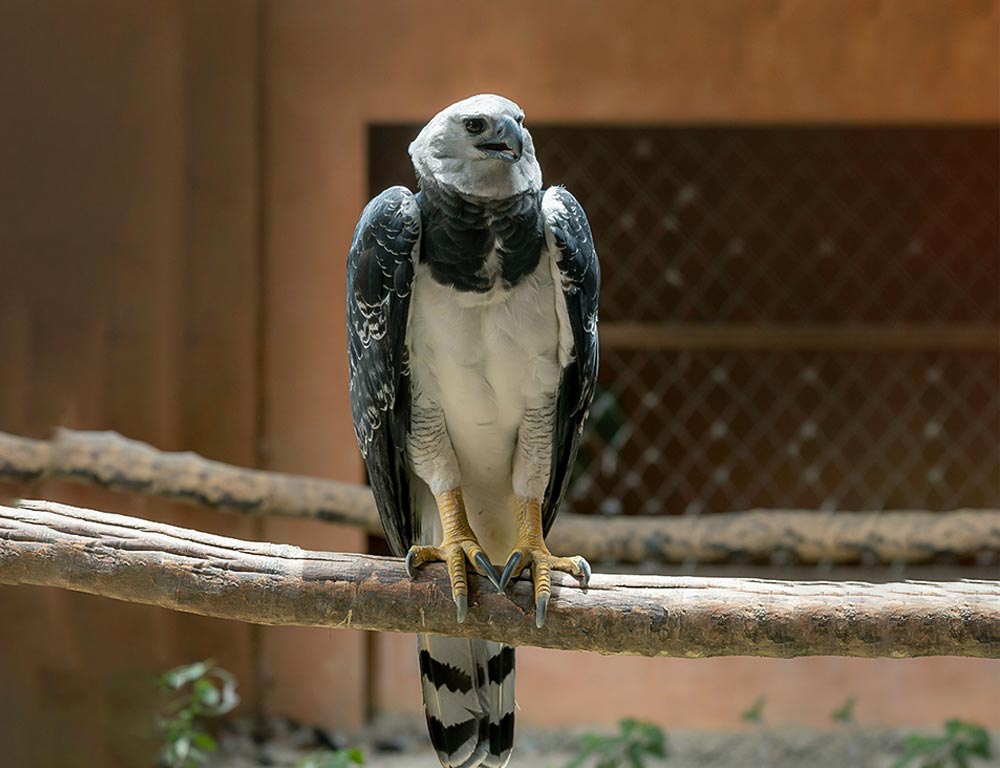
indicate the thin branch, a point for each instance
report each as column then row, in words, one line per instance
column 49, row 544
column 111, row 461
column 783, row 536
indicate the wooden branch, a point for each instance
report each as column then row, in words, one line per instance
column 781, row 536
column 787, row 537
column 49, row 544
column 111, row 461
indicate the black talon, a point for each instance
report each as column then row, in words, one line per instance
column 585, row 567
column 541, row 609
column 490, row 571
column 461, row 608
column 409, row 563
column 512, row 563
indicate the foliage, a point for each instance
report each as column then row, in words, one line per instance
column 342, row 758
column 196, row 692
column 604, row 426
column 629, row 748
column 955, row 748
column 755, row 713
column 845, row 712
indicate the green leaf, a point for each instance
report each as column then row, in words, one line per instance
column 206, row 694
column 181, row 748
column 201, row 690
column 633, row 754
column 845, row 712
column 954, row 749
column 204, row 741
column 755, row 713
column 181, row 676
column 342, row 758
column 230, row 698
column 579, row 759
column 629, row 748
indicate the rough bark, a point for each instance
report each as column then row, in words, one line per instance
column 788, row 537
column 111, row 461
column 783, row 537
column 49, row 544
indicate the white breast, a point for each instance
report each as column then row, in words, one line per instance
column 485, row 359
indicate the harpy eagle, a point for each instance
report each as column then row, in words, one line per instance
column 472, row 328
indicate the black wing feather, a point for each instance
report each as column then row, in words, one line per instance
column 379, row 283
column 581, row 282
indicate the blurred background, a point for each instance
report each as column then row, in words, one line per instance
column 795, row 203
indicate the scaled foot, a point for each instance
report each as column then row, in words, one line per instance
column 457, row 546
column 530, row 550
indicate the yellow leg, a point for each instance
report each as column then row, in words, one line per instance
column 530, row 549
column 457, row 545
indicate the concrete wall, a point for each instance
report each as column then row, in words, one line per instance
column 179, row 184
column 340, row 66
column 136, row 295
column 126, row 216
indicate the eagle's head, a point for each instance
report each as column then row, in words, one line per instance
column 480, row 147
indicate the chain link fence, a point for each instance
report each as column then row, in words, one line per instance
column 892, row 230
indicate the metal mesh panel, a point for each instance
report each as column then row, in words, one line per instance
column 788, row 225
column 707, row 431
column 784, row 226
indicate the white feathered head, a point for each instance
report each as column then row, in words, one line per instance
column 480, row 147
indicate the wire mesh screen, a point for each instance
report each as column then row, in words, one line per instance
column 788, row 225
column 712, row 431
column 784, row 228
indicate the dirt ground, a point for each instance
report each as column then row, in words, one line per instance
column 403, row 744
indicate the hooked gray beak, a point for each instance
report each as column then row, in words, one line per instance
column 507, row 141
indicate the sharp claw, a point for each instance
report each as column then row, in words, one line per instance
column 461, row 608
column 486, row 569
column 585, row 567
column 409, row 563
column 541, row 609
column 512, row 563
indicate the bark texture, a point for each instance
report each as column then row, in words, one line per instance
column 44, row 543
column 112, row 461
column 784, row 537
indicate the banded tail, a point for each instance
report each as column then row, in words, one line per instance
column 468, row 688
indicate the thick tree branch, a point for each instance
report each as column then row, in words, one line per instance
column 783, row 536
column 139, row 561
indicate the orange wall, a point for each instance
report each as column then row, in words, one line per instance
column 640, row 60
column 127, row 226
column 338, row 66
column 137, row 294
column 180, row 181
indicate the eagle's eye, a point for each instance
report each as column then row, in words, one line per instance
column 520, row 119
column 475, row 125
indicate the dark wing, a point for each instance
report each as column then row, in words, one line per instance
column 567, row 229
column 379, row 280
